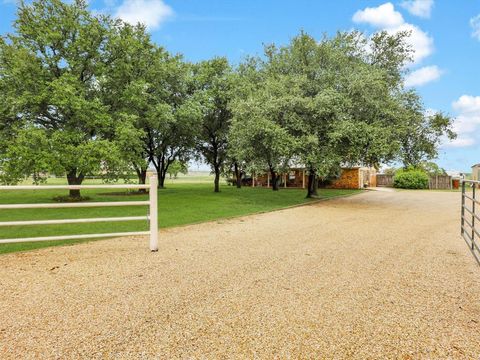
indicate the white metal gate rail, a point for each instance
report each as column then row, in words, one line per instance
column 470, row 205
column 151, row 216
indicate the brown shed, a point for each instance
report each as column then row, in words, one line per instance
column 356, row 178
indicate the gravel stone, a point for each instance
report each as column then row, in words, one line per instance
column 377, row 275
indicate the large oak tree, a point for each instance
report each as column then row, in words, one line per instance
column 347, row 104
column 49, row 72
column 214, row 86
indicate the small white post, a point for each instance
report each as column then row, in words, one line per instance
column 303, row 180
column 268, row 180
column 153, row 217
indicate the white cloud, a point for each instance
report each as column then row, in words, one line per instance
column 468, row 104
column 423, row 76
column 385, row 17
column 461, row 142
column 467, row 123
column 152, row 13
column 475, row 24
column 421, row 8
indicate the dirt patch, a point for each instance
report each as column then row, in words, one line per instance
column 378, row 275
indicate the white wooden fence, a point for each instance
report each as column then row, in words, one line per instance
column 151, row 216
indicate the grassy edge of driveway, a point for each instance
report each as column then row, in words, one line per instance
column 230, row 204
column 308, row 202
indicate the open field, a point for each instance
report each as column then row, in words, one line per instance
column 182, row 202
column 377, row 275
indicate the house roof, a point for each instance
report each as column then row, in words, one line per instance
column 475, row 165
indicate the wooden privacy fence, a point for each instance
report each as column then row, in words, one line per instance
column 151, row 217
column 470, row 221
column 384, row 180
column 440, row 182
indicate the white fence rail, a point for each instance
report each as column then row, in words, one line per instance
column 151, row 216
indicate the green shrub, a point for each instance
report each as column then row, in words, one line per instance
column 410, row 179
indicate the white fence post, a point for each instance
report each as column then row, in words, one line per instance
column 153, row 218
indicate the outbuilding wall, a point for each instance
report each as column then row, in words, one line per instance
column 369, row 178
column 355, row 178
column 349, row 179
column 476, row 172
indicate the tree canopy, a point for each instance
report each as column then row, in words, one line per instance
column 84, row 94
column 49, row 74
column 342, row 105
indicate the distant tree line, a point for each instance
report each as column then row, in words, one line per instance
column 83, row 93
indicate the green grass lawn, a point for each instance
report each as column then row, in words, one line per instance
column 181, row 203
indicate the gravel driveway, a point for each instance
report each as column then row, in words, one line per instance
column 376, row 275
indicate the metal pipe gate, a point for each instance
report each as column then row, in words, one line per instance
column 470, row 228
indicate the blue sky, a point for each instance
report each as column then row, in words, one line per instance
column 446, row 37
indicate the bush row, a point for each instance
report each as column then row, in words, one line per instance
column 411, row 179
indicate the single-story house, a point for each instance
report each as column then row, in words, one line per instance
column 357, row 177
column 476, row 172
column 294, row 178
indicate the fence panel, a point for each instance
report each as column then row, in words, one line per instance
column 151, row 216
column 384, row 180
column 470, row 218
column 440, row 182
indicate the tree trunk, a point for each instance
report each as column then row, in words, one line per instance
column 142, row 177
column 312, row 184
column 238, row 175
column 161, row 166
column 73, row 179
column 161, row 179
column 315, row 185
column 274, row 180
column 217, row 178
